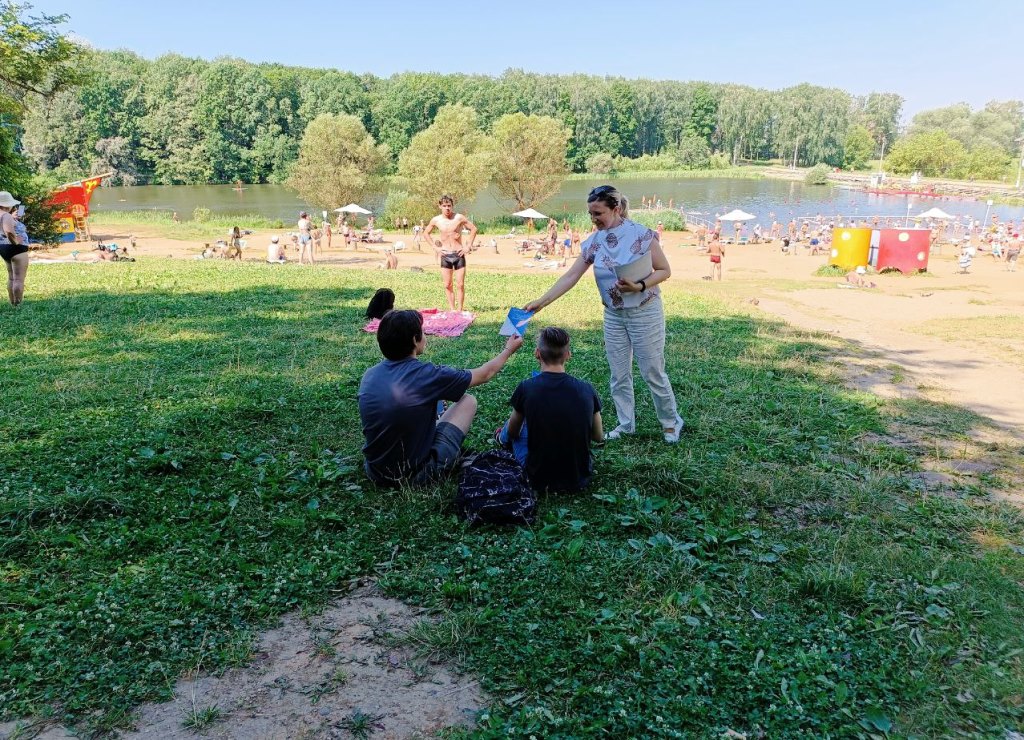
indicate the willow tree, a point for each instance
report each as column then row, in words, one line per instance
column 529, row 157
column 339, row 161
column 449, row 156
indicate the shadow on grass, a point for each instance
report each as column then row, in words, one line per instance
column 181, row 465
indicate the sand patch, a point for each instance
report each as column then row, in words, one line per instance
column 346, row 672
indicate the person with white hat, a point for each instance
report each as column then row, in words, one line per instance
column 275, row 253
column 13, row 248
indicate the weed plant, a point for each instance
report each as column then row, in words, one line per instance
column 180, row 466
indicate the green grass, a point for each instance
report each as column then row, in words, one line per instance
column 179, row 466
column 745, row 173
column 189, row 228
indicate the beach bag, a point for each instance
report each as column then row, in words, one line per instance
column 493, row 490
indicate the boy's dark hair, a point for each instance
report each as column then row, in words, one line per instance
column 398, row 333
column 382, row 302
column 445, row 199
column 553, row 345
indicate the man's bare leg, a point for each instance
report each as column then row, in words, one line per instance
column 446, row 280
column 460, row 284
column 461, row 413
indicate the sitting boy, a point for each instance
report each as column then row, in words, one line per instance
column 398, row 398
column 564, row 414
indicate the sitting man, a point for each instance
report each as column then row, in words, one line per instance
column 564, row 414
column 398, row 402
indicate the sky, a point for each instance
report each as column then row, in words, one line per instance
column 932, row 53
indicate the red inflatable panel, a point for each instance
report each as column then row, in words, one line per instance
column 904, row 249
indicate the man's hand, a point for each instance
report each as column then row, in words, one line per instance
column 513, row 344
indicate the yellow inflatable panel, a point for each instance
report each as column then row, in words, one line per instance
column 850, row 248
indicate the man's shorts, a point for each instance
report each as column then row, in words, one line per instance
column 444, row 453
column 305, row 238
column 716, row 259
column 453, row 261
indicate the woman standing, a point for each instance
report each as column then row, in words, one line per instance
column 634, row 319
column 234, row 250
column 13, row 248
column 305, row 238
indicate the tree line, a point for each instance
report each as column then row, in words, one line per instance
column 177, row 120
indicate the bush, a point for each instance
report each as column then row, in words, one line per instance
column 693, row 153
column 817, row 175
column 600, row 163
column 673, row 220
column 202, row 215
column 719, row 161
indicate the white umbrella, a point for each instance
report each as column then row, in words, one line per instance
column 530, row 213
column 352, row 208
column 935, row 213
column 737, row 215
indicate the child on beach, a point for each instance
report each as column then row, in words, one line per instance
column 275, row 253
column 564, row 414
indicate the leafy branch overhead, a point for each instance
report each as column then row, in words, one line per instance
column 34, row 56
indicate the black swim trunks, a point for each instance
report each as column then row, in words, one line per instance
column 10, row 251
column 453, row 261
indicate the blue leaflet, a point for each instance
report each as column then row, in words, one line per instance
column 516, row 323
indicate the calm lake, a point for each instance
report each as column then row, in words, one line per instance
column 706, row 197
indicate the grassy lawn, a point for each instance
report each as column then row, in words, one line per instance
column 179, row 465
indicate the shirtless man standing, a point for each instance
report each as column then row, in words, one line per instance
column 451, row 252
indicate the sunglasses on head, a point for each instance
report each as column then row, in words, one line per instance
column 601, row 190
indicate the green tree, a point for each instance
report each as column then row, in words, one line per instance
column 450, row 156
column 858, row 148
column 932, row 153
column 36, row 62
column 879, row 113
column 529, row 157
column 35, row 58
column 988, row 162
column 338, row 161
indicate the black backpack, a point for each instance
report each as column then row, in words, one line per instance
column 493, row 490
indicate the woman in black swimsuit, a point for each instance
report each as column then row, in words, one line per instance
column 13, row 249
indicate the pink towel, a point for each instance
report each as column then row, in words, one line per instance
column 438, row 323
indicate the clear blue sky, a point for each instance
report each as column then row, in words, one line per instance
column 932, row 53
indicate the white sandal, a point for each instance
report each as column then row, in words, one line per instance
column 619, row 431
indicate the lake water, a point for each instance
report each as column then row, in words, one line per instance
column 706, row 197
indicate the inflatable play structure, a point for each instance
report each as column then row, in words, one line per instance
column 73, row 201
column 903, row 249
column 850, row 248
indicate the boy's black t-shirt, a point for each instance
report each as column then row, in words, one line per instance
column 559, row 411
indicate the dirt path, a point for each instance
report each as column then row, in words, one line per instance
column 953, row 373
column 354, row 670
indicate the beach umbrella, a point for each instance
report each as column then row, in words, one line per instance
column 353, row 208
column 529, row 213
column 935, row 213
column 737, row 215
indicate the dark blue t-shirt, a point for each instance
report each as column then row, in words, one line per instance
column 559, row 411
column 398, row 408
